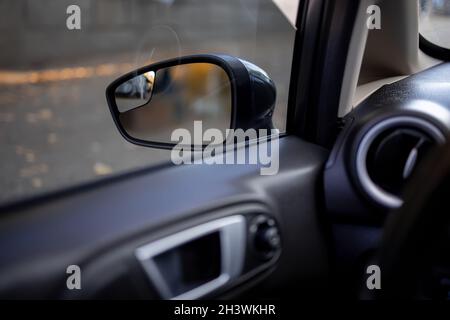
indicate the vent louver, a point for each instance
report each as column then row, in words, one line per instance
column 388, row 154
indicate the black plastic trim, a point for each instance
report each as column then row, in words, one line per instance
column 322, row 42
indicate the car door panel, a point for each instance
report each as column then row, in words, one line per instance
column 92, row 225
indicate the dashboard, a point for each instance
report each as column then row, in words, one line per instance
column 382, row 142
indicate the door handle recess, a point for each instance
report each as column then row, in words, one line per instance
column 197, row 261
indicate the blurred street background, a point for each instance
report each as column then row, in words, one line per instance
column 55, row 126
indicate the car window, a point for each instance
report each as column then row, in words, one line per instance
column 435, row 22
column 55, row 127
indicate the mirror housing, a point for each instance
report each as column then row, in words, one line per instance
column 253, row 93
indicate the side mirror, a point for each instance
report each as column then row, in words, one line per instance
column 223, row 92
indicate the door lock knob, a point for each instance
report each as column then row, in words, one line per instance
column 266, row 238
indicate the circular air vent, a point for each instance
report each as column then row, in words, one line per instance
column 388, row 154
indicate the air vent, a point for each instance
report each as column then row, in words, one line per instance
column 388, row 154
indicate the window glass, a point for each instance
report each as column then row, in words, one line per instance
column 435, row 21
column 55, row 126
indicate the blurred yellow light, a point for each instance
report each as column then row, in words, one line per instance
column 64, row 74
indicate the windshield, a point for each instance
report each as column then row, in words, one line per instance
column 55, row 127
column 434, row 22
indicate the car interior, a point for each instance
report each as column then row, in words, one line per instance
column 364, row 168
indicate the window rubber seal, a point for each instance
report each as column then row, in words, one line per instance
column 433, row 50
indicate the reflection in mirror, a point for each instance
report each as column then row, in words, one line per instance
column 175, row 98
column 135, row 92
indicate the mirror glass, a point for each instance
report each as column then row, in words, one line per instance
column 154, row 104
column 135, row 92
